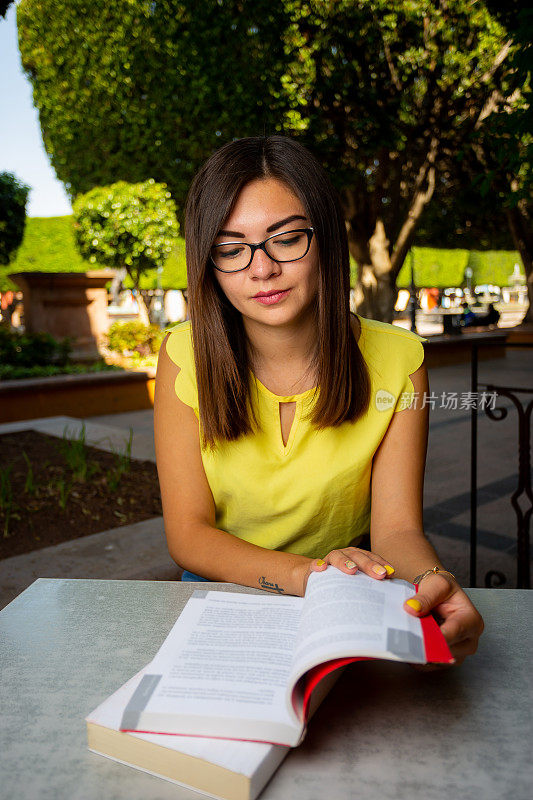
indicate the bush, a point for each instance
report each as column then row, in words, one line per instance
column 13, row 197
column 32, row 349
column 8, row 372
column 134, row 337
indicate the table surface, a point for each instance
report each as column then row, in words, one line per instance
column 385, row 731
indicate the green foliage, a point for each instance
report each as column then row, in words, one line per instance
column 49, row 246
column 74, row 451
column 128, row 89
column 29, row 483
column 493, row 266
column 129, row 337
column 8, row 372
column 349, row 77
column 126, row 225
column 446, row 268
column 13, row 197
column 32, row 349
column 131, row 89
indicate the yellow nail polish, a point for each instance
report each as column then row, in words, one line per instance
column 378, row 569
column 320, row 562
column 389, row 569
column 350, row 564
column 415, row 604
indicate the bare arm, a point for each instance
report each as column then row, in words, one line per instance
column 396, row 523
column 396, row 526
column 194, row 541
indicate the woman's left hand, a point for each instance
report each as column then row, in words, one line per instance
column 459, row 620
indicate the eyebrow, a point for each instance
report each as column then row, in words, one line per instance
column 270, row 228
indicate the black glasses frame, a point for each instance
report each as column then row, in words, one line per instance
column 261, row 246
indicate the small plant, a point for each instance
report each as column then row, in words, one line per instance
column 64, row 489
column 113, row 477
column 122, row 464
column 6, row 497
column 75, row 453
column 29, row 485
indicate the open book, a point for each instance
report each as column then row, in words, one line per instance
column 243, row 666
column 219, row 768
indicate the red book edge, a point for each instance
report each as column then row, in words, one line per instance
column 436, row 647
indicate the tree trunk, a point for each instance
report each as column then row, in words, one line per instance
column 520, row 227
column 135, row 276
column 143, row 310
column 375, row 293
column 379, row 264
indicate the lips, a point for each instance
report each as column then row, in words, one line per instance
column 272, row 297
column 269, row 294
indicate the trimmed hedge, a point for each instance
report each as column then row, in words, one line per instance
column 48, row 245
column 446, row 268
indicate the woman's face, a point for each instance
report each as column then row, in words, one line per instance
column 263, row 208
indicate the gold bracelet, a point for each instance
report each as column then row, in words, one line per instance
column 436, row 570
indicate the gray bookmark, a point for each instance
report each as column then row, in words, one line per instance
column 138, row 702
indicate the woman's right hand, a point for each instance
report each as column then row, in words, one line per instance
column 350, row 560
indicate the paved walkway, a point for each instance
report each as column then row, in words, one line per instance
column 139, row 551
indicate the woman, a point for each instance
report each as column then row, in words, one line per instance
column 264, row 476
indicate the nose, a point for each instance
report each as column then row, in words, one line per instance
column 263, row 267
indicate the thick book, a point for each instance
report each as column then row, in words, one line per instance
column 227, row 770
column 250, row 667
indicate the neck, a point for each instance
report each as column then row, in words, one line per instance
column 279, row 350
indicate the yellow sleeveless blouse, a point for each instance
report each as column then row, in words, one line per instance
column 312, row 495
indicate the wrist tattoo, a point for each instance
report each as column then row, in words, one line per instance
column 270, row 587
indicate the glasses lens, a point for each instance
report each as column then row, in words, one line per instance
column 231, row 256
column 288, row 246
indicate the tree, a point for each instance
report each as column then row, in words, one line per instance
column 503, row 145
column 386, row 95
column 127, row 226
column 13, row 198
column 4, row 5
column 132, row 89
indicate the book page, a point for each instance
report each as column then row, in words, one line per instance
column 227, row 656
column 246, row 758
column 355, row 615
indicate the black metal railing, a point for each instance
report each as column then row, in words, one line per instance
column 523, row 491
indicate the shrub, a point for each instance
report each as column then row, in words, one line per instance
column 134, row 337
column 32, row 349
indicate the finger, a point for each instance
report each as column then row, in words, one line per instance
column 356, row 553
column 343, row 560
column 462, row 624
column 369, row 564
column 461, row 650
column 318, row 565
column 436, row 591
column 454, row 630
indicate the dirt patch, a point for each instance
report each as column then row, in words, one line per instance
column 54, row 490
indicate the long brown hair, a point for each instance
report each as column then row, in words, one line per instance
column 219, row 340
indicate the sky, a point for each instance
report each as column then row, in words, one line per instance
column 21, row 146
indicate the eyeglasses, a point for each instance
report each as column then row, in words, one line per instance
column 281, row 247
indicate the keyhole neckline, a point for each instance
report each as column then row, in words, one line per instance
column 284, row 398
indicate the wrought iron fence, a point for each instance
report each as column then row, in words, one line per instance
column 523, row 491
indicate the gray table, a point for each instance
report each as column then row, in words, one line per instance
column 385, row 731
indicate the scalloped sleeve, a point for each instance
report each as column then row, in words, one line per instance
column 180, row 351
column 413, row 356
